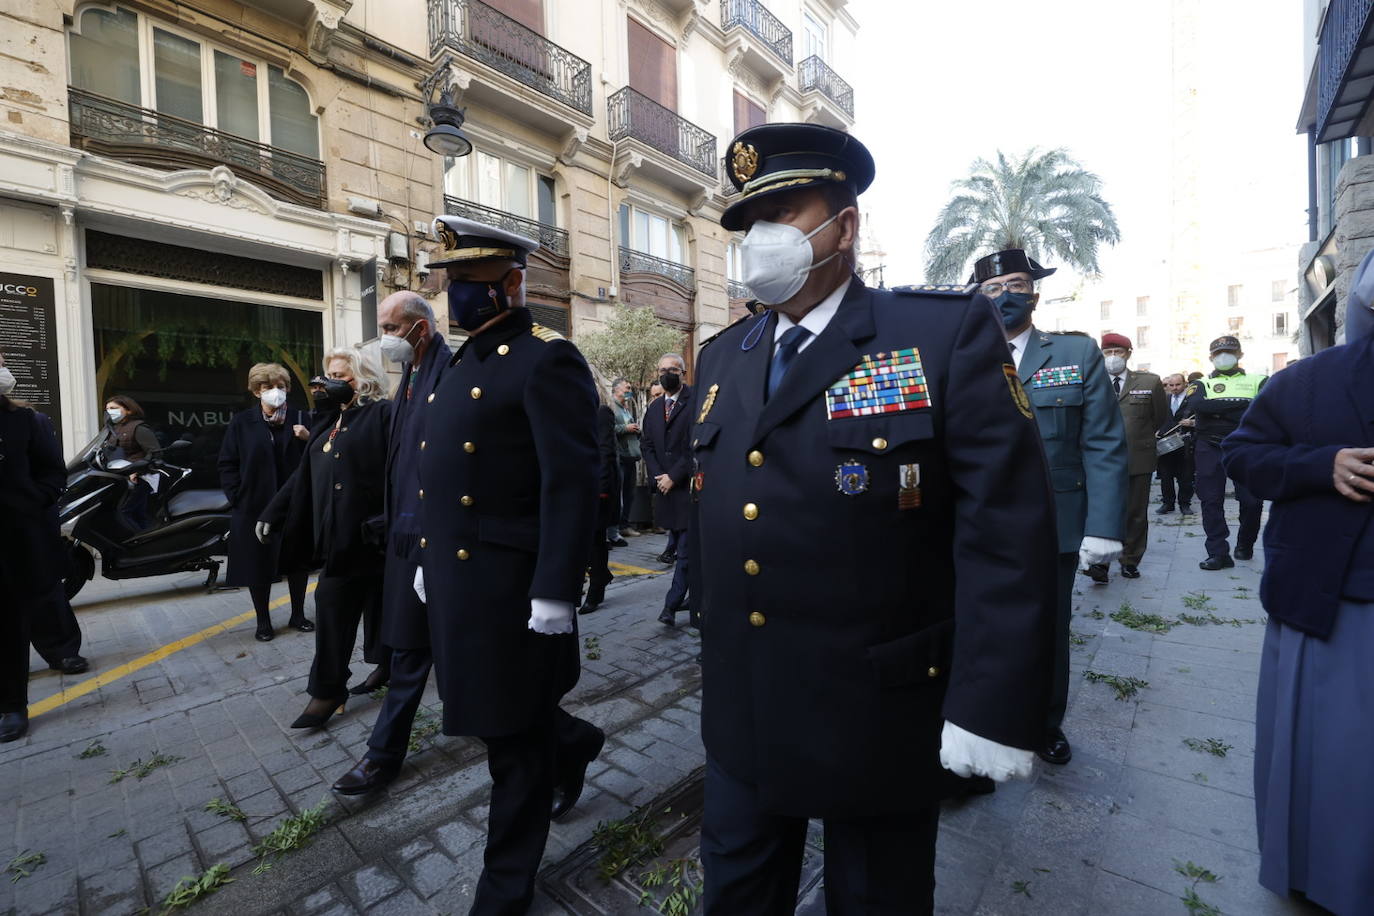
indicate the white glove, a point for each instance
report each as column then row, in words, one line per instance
column 1095, row 550
column 262, row 530
column 965, row 754
column 420, row 583
column 550, row 617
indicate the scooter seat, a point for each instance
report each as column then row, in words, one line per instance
column 190, row 501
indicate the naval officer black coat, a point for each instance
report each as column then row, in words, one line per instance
column 665, row 449
column 509, row 477
column 845, row 618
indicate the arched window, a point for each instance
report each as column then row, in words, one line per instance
column 104, row 54
column 294, row 125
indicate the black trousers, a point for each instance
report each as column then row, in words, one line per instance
column 53, row 628
column 598, row 572
column 873, row 866
column 677, row 592
column 1211, row 492
column 1063, row 613
column 524, row 769
column 14, row 654
column 628, row 467
column 391, row 733
column 1176, row 475
column 340, row 602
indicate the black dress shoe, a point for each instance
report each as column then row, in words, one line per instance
column 265, row 634
column 667, row 618
column 1129, row 572
column 1214, row 563
column 300, row 623
column 1245, row 553
column 72, row 664
column 1056, row 750
column 955, row 786
column 589, row 605
column 310, row 719
column 618, row 542
column 1164, row 510
column 667, row 557
column 13, row 725
column 1186, row 510
column 569, row 789
column 368, row 776
column 1099, row 573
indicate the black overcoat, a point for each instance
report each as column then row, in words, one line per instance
column 254, row 462
column 608, row 478
column 665, row 449
column 32, row 477
column 509, row 476
column 844, row 618
column 352, row 543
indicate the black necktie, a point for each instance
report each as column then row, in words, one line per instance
column 788, row 345
column 1116, row 383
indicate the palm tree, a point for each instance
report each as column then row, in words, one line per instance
column 1046, row 203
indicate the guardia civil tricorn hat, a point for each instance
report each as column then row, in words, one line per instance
column 462, row 239
column 774, row 158
column 1008, row 261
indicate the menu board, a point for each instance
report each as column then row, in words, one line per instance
column 28, row 341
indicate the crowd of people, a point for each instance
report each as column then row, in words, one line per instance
column 854, row 486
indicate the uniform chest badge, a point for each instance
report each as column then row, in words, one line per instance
column 1219, row 387
column 909, row 486
column 1018, row 392
column 881, row 384
column 710, row 402
column 851, row 478
column 1057, row 376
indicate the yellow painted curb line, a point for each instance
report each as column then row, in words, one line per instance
column 143, row 661
column 635, row 570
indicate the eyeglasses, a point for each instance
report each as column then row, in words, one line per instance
column 673, row 369
column 993, row 290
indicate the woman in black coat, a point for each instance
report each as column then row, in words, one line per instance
column 262, row 447
column 330, row 515
column 608, row 483
column 32, row 477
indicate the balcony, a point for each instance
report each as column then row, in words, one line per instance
column 737, row 290
column 139, row 135
column 551, row 238
column 757, row 38
column 681, row 154
column 1345, row 69
column 477, row 31
column 834, row 97
column 632, row 261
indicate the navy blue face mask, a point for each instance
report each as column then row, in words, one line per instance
column 474, row 303
column 1015, row 308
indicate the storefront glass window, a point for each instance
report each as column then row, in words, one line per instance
column 185, row 359
column 104, row 55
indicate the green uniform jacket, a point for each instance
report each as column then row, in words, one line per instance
column 1085, row 440
column 1145, row 410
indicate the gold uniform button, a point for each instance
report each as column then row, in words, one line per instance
column 430, row 399
column 422, row 446
column 933, row 672
column 423, row 543
column 338, row 486
column 502, row 350
column 466, row 500
column 422, row 493
column 476, row 393
column 880, row 443
column 751, row 567
column 751, row 511
column 757, row 620
column 756, row 458
column 463, row 554
column 469, row 447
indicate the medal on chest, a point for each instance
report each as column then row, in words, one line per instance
column 909, row 486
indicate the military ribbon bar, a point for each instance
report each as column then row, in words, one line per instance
column 886, row 383
column 1055, row 376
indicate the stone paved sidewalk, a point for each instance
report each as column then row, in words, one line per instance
column 1100, row 835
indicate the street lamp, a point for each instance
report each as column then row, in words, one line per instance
column 443, row 118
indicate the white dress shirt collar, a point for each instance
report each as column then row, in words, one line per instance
column 1018, row 344
column 815, row 320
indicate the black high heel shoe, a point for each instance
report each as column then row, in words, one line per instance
column 310, row 719
column 265, row 633
column 374, row 681
column 301, row 624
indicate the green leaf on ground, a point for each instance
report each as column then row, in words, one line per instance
column 141, row 770
column 1198, row 601
column 1125, row 687
column 379, row 693
column 24, row 864
column 1214, row 746
column 1128, row 616
column 1021, row 887
column 224, row 809
column 426, row 726
column 625, row 843
column 190, row 889
column 591, row 645
column 94, row 749
column 291, row 834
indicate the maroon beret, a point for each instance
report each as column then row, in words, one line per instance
column 1116, row 340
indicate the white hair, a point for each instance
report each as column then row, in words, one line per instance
column 360, row 367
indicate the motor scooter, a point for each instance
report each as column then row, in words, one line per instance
column 189, row 528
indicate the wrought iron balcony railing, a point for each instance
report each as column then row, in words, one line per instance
column 146, row 137
column 727, row 187
column 550, row 238
column 472, row 28
column 638, row 262
column 754, row 16
column 813, row 74
column 1343, row 31
column 737, row 290
column 634, row 115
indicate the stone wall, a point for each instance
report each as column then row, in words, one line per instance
column 1354, row 227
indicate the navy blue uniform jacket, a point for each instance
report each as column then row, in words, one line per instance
column 841, row 628
column 1284, row 450
column 32, row 477
column 509, row 477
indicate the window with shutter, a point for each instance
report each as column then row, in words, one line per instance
column 529, row 13
column 653, row 66
column 748, row 113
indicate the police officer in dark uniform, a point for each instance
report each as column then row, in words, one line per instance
column 1214, row 406
column 409, row 336
column 508, row 493
column 870, row 506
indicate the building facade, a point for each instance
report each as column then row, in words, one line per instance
column 187, row 189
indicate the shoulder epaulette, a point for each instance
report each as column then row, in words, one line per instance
column 545, row 334
column 1070, row 334
column 724, row 329
column 934, row 290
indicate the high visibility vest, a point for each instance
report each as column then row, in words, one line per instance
column 1241, row 387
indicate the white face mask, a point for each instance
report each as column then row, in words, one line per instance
column 398, row 349
column 777, row 258
column 7, row 381
column 114, row 413
column 1225, row 361
column 274, row 397
column 1115, row 364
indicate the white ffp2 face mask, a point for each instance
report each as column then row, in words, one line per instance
column 7, row 381
column 1225, row 361
column 274, row 397
column 777, row 258
column 1115, row 364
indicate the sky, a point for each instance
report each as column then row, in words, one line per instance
column 938, row 85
